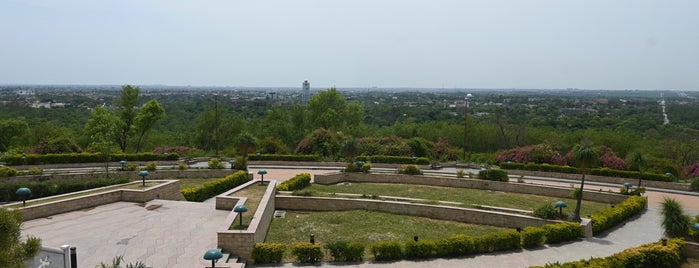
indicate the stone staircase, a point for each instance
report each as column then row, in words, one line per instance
column 228, row 261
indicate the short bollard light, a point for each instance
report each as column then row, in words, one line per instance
column 628, row 186
column 143, row 175
column 24, row 193
column 232, row 163
column 414, row 159
column 695, row 227
column 123, row 163
column 560, row 205
column 258, row 156
column 213, row 255
column 262, row 173
column 240, row 209
column 313, row 239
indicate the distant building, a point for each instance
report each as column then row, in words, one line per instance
column 306, row 95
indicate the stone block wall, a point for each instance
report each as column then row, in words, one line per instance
column 170, row 190
column 475, row 216
column 553, row 191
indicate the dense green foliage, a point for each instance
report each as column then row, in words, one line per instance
column 561, row 232
column 409, row 170
column 283, row 157
column 386, row 250
column 675, row 222
column 41, row 159
column 298, row 182
column 620, row 212
column 546, row 211
column 343, row 251
column 48, row 188
column 213, row 188
column 493, row 174
column 14, row 251
column 268, row 252
column 594, row 171
column 649, row 255
column 306, row 252
column 533, row 237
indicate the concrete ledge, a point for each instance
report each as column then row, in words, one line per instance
column 169, row 190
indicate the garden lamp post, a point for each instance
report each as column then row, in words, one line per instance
column 24, row 193
column 414, row 159
column 240, row 209
column 628, row 186
column 143, row 175
column 262, row 173
column 213, row 255
column 123, row 163
column 24, row 159
column 560, row 205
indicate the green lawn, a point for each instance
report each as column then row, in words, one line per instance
column 191, row 183
column 254, row 194
column 364, row 226
column 468, row 197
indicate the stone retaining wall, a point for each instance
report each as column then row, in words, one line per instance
column 513, row 187
column 241, row 242
column 595, row 178
column 169, row 190
column 475, row 216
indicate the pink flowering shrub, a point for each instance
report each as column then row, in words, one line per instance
column 691, row 171
column 180, row 150
column 613, row 162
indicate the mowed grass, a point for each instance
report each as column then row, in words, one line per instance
column 468, row 197
column 364, row 226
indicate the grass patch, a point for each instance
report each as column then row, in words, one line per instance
column 466, row 196
column 193, row 183
column 254, row 193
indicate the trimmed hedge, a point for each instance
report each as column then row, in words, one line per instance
column 595, row 171
column 307, row 252
column 610, row 217
column 456, row 245
column 48, row 188
column 396, row 159
column 268, row 252
column 284, row 157
column 387, row 250
column 561, row 232
column 422, row 249
column 298, row 182
column 41, row 159
column 499, row 241
column 7, row 172
column 533, row 237
column 409, row 170
column 342, row 251
column 493, row 175
column 648, row 255
column 213, row 188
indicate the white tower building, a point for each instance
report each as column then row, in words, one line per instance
column 306, row 92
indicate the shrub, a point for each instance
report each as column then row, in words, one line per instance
column 610, row 217
column 460, row 173
column 457, row 245
column 695, row 184
column 182, row 166
column 547, row 211
column 240, row 163
column 303, row 193
column 675, row 223
column 284, row 157
column 7, row 172
column 298, row 182
column 493, row 175
column 35, row 171
column 215, row 163
column 39, row 159
column 409, row 170
column 213, row 188
column 386, row 250
column 422, row 249
column 151, row 166
column 533, row 237
column 399, row 159
column 129, row 167
column 268, row 252
column 307, row 252
column 366, row 167
column 595, row 171
column 342, row 251
column 499, row 241
column 561, row 232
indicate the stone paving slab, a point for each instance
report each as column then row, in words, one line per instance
column 175, row 235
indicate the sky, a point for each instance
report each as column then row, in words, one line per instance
column 533, row 44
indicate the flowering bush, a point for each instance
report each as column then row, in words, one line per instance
column 180, row 150
column 691, row 171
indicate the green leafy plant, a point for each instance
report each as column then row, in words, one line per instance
column 546, row 211
column 151, row 166
column 306, row 252
column 268, row 252
column 409, row 170
column 493, row 174
column 298, row 182
column 675, row 222
column 215, row 163
column 460, row 173
column 386, row 250
column 117, row 263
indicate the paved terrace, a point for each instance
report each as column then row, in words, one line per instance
column 176, row 234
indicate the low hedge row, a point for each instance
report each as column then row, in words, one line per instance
column 493, row 174
column 298, row 182
column 41, row 159
column 284, row 157
column 268, row 252
column 213, row 188
column 454, row 246
column 610, row 217
column 47, row 188
column 390, row 159
column 649, row 255
column 595, row 171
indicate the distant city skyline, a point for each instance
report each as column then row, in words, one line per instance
column 538, row 44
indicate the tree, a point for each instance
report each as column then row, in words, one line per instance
column 10, row 129
column 638, row 161
column 584, row 157
column 326, row 109
column 151, row 113
column 675, row 223
column 102, row 129
column 14, row 252
column 245, row 143
column 126, row 111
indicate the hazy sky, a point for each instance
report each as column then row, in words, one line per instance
column 596, row 44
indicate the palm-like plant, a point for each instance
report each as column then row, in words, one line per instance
column 585, row 157
column 116, row 263
column 675, row 223
column 638, row 161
